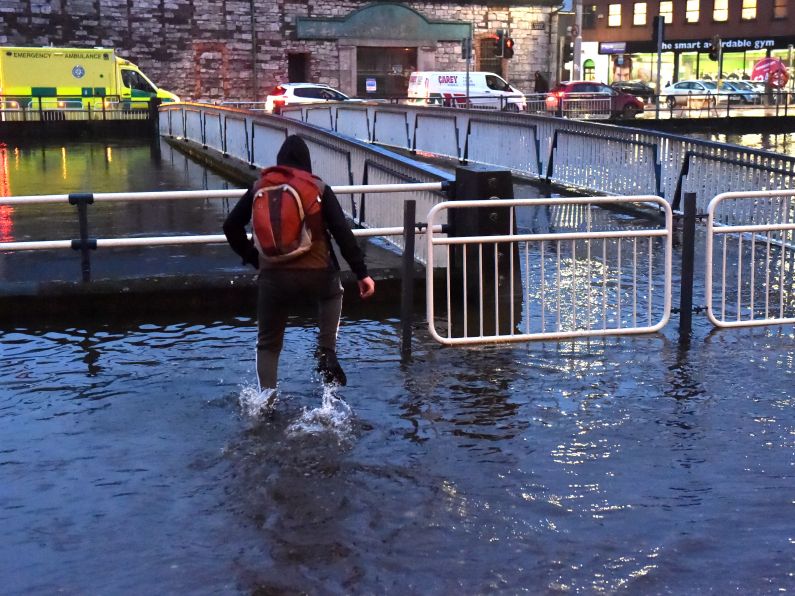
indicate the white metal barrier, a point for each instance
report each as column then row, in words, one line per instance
column 752, row 266
column 234, row 193
column 552, row 285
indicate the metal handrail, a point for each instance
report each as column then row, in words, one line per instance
column 182, row 240
column 231, row 193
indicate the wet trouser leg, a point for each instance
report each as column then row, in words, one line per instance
column 328, row 312
column 278, row 291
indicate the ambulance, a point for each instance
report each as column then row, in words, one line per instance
column 486, row 90
column 73, row 78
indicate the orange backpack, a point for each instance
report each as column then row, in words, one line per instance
column 283, row 199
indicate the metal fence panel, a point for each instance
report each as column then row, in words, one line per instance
column 354, row 123
column 236, row 138
column 750, row 259
column 513, row 146
column 391, row 128
column 438, row 134
column 266, row 140
column 591, row 280
column 214, row 132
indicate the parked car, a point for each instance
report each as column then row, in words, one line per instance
column 592, row 98
column 288, row 94
column 741, row 92
column 694, row 93
column 637, row 88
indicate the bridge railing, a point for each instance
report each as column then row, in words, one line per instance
column 525, row 143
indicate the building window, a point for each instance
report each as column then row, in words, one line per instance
column 749, row 10
column 692, row 11
column 721, row 10
column 780, row 9
column 639, row 14
column 589, row 17
column 667, row 11
column 614, row 15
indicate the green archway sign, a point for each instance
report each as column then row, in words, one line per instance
column 384, row 20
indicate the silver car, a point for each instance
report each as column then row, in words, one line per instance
column 694, row 93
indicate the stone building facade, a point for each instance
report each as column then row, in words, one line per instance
column 240, row 49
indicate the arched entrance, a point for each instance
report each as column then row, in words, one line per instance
column 379, row 45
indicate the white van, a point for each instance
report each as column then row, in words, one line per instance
column 486, row 90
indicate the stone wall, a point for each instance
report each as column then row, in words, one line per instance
column 204, row 49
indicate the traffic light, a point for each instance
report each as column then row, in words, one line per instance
column 714, row 48
column 500, row 47
column 507, row 51
column 568, row 52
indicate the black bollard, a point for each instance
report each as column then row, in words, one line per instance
column 688, row 266
column 85, row 244
column 407, row 282
column 485, row 281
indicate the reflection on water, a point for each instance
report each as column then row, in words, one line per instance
column 629, row 464
column 120, row 166
column 779, row 143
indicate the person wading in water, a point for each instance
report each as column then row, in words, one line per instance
column 313, row 274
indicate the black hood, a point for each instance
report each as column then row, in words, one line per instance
column 295, row 154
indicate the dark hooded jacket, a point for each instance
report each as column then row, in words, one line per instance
column 294, row 153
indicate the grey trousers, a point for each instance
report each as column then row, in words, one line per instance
column 279, row 292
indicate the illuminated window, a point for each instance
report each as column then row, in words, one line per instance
column 779, row 9
column 749, row 10
column 639, row 14
column 692, row 11
column 667, row 11
column 721, row 10
column 614, row 15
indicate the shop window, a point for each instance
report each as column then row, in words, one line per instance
column 692, row 11
column 667, row 11
column 780, row 9
column 614, row 15
column 639, row 13
column 589, row 16
column 720, row 12
column 749, row 10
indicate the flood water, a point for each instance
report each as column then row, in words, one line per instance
column 129, row 466
column 129, row 463
column 779, row 143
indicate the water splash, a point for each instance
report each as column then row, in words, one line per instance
column 256, row 403
column 333, row 416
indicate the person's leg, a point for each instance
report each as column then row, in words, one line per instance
column 329, row 310
column 271, row 322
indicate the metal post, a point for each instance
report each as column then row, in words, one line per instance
column 688, row 265
column 85, row 244
column 576, row 67
column 407, row 282
column 660, row 24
